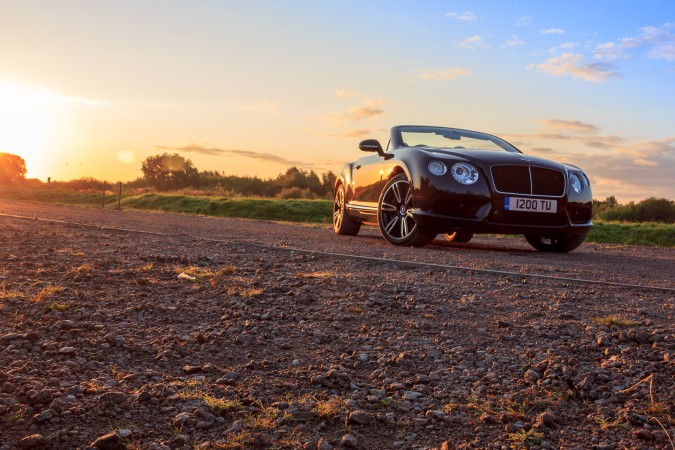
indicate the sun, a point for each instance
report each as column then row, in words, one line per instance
column 26, row 119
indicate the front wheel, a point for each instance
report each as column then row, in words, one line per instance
column 558, row 244
column 396, row 223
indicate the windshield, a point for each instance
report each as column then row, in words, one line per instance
column 449, row 138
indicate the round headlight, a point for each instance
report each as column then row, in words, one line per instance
column 575, row 183
column 464, row 173
column 437, row 168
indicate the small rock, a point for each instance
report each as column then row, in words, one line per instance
column 110, row 441
column 112, row 398
column 358, row 417
column 412, row 395
column 324, row 445
column 349, row 441
column 180, row 420
column 546, row 419
column 67, row 350
column 532, row 376
column 32, row 441
column 192, row 369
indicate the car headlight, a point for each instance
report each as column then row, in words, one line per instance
column 464, row 173
column 575, row 183
column 437, row 168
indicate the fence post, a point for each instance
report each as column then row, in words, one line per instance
column 119, row 196
column 103, row 199
column 49, row 189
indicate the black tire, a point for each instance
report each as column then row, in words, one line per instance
column 557, row 244
column 343, row 223
column 458, row 236
column 396, row 224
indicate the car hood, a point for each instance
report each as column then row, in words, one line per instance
column 487, row 158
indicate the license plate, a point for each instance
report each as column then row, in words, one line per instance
column 530, row 204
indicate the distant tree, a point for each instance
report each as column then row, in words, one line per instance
column 166, row 172
column 328, row 181
column 12, row 168
column 649, row 210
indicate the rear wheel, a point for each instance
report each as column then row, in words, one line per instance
column 342, row 222
column 556, row 244
column 458, row 236
column 396, row 223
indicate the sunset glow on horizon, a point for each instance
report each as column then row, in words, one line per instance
column 92, row 88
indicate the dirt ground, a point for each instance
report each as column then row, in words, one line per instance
column 123, row 329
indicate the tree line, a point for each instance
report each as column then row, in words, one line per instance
column 172, row 172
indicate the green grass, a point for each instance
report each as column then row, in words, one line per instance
column 311, row 211
column 649, row 234
column 307, row 211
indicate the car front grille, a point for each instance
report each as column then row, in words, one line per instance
column 528, row 180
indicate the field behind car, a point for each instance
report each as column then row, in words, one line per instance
column 304, row 211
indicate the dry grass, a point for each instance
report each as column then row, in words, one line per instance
column 44, row 293
column 614, row 320
column 84, row 268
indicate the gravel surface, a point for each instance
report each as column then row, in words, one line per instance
column 205, row 333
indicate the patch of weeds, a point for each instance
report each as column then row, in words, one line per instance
column 118, row 374
column 221, row 406
column 69, row 251
column 355, row 309
column 606, row 423
column 330, row 409
column 56, row 306
column 247, row 292
column 84, row 268
column 91, row 387
column 512, row 407
column 47, row 292
column 265, row 420
column 315, row 274
column 525, row 439
column 614, row 320
column 657, row 410
column 9, row 294
column 189, row 390
column 386, row 402
column 148, row 267
column 198, row 274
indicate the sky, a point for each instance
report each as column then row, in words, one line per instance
column 90, row 88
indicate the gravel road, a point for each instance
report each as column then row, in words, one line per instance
column 205, row 333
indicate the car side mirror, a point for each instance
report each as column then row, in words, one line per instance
column 372, row 145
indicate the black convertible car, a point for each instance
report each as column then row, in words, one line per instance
column 433, row 180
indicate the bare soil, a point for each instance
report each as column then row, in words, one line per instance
column 219, row 333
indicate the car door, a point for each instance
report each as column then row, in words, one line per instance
column 367, row 181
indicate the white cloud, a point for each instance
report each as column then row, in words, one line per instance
column 467, row 16
column 570, row 64
column 367, row 110
column 659, row 40
column 552, row 31
column 523, row 21
column 574, row 126
column 515, row 41
column 473, row 43
column 666, row 52
column 449, row 73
